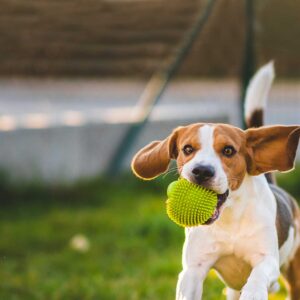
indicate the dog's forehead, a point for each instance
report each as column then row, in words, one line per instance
column 224, row 132
column 189, row 134
column 201, row 133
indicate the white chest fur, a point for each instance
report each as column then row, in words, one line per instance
column 244, row 233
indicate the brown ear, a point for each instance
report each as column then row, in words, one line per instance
column 271, row 148
column 154, row 159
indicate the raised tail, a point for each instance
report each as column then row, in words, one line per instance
column 257, row 94
column 256, row 99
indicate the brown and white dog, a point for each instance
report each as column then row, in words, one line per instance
column 254, row 233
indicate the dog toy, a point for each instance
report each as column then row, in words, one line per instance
column 189, row 204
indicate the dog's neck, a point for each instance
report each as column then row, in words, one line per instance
column 252, row 189
column 247, row 190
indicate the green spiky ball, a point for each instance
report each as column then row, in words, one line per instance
column 189, row 204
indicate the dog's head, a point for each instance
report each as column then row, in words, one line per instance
column 217, row 156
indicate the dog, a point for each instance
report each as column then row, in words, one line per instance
column 254, row 233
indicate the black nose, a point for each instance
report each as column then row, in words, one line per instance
column 203, row 173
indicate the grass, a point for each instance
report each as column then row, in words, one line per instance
column 134, row 253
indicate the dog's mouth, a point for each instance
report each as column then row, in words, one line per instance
column 221, row 200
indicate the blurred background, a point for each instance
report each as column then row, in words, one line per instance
column 84, row 85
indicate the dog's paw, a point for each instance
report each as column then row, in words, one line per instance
column 254, row 292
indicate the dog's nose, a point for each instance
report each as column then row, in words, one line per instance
column 203, row 173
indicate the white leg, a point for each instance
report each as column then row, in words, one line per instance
column 197, row 259
column 190, row 283
column 232, row 294
column 262, row 277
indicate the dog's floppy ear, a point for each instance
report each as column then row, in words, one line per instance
column 154, row 159
column 271, row 148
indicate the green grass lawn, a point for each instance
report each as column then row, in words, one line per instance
column 134, row 253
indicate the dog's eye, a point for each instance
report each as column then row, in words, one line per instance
column 188, row 149
column 228, row 151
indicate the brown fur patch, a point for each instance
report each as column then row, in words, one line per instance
column 292, row 275
column 235, row 167
column 188, row 135
column 154, row 158
column 272, row 148
column 233, row 270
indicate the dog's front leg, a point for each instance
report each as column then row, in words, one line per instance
column 197, row 259
column 261, row 279
column 190, row 283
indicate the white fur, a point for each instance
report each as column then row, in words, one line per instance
column 258, row 89
column 244, row 230
column 242, row 245
column 207, row 156
column 244, row 235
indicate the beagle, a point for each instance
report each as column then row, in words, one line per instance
column 254, row 234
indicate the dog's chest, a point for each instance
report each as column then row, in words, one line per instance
column 236, row 242
column 233, row 263
column 233, row 270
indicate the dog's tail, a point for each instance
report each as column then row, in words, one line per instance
column 257, row 95
column 256, row 99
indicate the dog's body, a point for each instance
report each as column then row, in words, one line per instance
column 255, row 234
